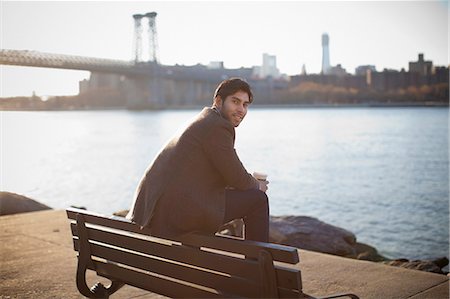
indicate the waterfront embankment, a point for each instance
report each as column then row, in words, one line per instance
column 303, row 232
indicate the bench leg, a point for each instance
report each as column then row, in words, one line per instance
column 268, row 276
column 85, row 261
column 100, row 291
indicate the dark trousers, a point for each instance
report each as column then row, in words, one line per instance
column 253, row 207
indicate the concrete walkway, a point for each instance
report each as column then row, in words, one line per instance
column 38, row 261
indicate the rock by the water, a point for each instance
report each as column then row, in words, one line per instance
column 434, row 266
column 312, row 234
column 12, row 203
column 367, row 253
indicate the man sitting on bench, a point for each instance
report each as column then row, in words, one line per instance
column 197, row 182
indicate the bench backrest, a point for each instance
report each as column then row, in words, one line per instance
column 193, row 266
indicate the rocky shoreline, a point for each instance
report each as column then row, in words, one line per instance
column 303, row 232
column 312, row 234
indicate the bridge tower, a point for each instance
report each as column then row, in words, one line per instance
column 145, row 92
column 153, row 37
column 325, row 54
column 137, row 43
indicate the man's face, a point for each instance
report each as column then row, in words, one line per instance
column 234, row 107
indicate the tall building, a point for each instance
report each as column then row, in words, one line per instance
column 325, row 54
column 269, row 67
column 421, row 66
column 362, row 70
column 304, row 70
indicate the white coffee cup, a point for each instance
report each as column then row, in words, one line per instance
column 260, row 176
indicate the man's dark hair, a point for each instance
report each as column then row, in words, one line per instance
column 231, row 86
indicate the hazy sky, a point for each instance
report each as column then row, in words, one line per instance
column 382, row 33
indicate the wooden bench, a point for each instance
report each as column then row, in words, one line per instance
column 195, row 266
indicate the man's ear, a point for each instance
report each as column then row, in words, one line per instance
column 218, row 102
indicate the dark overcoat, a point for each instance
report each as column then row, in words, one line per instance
column 184, row 187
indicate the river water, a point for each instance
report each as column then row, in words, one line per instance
column 382, row 173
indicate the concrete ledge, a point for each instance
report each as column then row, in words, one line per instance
column 38, row 261
column 326, row 274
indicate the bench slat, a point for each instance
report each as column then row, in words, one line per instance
column 286, row 278
column 151, row 283
column 109, row 221
column 279, row 253
column 181, row 272
column 251, row 249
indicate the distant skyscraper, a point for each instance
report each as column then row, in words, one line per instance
column 269, row 67
column 325, row 54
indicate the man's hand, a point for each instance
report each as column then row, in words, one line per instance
column 263, row 185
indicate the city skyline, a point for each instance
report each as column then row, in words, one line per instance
column 237, row 33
